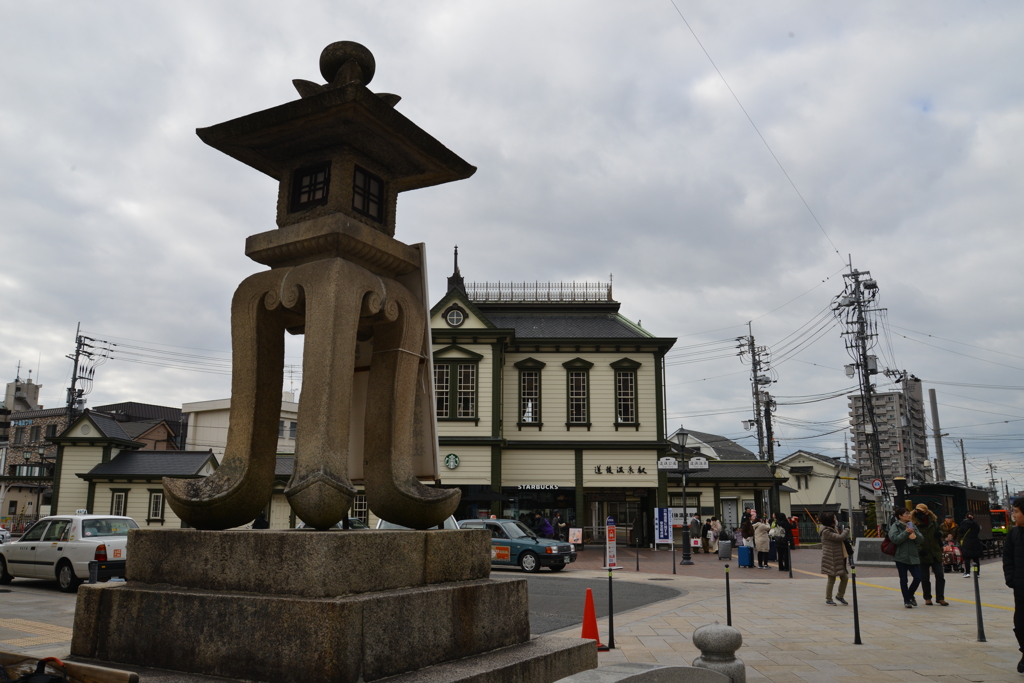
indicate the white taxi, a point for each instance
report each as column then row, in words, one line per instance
column 62, row 546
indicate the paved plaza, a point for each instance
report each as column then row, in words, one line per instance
column 789, row 633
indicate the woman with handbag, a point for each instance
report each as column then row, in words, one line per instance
column 833, row 557
column 783, row 542
column 762, row 544
column 902, row 533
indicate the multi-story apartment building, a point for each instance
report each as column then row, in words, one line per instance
column 899, row 419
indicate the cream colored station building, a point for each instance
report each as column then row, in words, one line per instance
column 548, row 399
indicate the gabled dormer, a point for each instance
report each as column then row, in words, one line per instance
column 455, row 312
column 90, row 440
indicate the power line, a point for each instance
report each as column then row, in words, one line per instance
column 756, row 130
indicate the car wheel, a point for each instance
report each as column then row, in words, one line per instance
column 557, row 567
column 66, row 578
column 529, row 562
column 5, row 578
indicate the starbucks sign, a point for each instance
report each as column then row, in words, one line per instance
column 451, row 461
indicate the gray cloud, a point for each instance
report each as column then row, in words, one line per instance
column 605, row 142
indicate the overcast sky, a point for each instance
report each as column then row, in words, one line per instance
column 606, row 143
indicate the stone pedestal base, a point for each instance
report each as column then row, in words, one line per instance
column 330, row 626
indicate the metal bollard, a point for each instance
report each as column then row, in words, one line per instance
column 728, row 598
column 856, row 609
column 94, row 571
column 638, row 554
column 977, row 605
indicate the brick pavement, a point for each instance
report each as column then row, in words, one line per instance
column 791, row 635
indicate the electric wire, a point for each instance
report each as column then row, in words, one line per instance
column 757, row 130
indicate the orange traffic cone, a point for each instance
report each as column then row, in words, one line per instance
column 590, row 622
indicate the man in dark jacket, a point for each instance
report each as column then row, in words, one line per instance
column 1013, row 572
column 970, row 544
column 930, row 553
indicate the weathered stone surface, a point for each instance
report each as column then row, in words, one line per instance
column 305, row 562
column 540, row 660
column 718, row 644
column 284, row 638
column 424, row 626
column 637, row 672
column 253, row 637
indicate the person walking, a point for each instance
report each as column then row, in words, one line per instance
column 949, row 527
column 1013, row 572
column 970, row 544
column 902, row 533
column 260, row 522
column 542, row 527
column 762, row 543
column 705, row 535
column 716, row 529
column 747, row 529
column 695, row 532
column 562, row 529
column 784, row 543
column 833, row 557
column 930, row 554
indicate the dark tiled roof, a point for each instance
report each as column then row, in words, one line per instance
column 152, row 464
column 108, row 426
column 134, row 429
column 611, row 326
column 32, row 414
column 141, row 411
column 832, row 462
column 746, row 471
column 285, row 465
column 725, row 449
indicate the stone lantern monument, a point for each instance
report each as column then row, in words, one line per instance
column 317, row 605
column 341, row 155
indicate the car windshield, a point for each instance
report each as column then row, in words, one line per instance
column 449, row 523
column 93, row 528
column 519, row 530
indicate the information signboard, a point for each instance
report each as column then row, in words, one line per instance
column 575, row 536
column 663, row 525
column 609, row 546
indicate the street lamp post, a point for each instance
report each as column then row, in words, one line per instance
column 681, row 437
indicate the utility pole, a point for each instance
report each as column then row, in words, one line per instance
column 755, row 368
column 849, row 486
column 769, row 405
column 80, row 350
column 940, row 463
column 852, row 307
column 963, row 457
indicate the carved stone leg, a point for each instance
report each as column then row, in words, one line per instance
column 392, row 490
column 241, row 487
column 334, row 294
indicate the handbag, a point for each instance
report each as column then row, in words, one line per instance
column 888, row 547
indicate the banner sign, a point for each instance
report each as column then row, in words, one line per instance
column 663, row 525
column 609, row 546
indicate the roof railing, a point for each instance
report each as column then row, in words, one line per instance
column 533, row 292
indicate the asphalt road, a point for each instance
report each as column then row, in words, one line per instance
column 36, row 618
column 557, row 600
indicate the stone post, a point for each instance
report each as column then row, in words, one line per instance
column 718, row 645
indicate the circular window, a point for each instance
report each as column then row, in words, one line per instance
column 455, row 317
column 85, row 429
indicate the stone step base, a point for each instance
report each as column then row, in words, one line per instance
column 544, row 659
column 541, row 660
column 289, row 639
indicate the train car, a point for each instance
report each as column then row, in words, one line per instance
column 957, row 500
column 1000, row 522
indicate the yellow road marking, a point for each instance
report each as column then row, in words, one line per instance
column 889, row 588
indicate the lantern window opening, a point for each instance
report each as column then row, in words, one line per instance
column 368, row 194
column 310, row 185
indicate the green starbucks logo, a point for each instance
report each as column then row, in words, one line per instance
column 451, row 461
